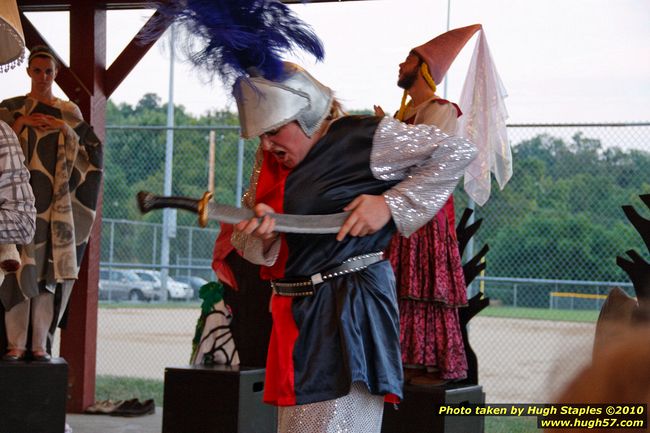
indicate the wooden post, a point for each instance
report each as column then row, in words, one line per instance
column 88, row 83
column 79, row 338
column 211, row 161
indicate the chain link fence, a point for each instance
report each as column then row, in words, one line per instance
column 554, row 233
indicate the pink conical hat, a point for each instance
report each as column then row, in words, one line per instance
column 440, row 52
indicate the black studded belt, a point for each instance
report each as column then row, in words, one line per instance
column 305, row 286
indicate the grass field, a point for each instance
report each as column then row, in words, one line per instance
column 506, row 312
column 511, row 424
column 541, row 314
column 126, row 388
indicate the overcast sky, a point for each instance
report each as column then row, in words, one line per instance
column 560, row 61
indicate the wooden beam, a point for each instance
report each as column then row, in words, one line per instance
column 88, row 55
column 318, row 1
column 83, row 83
column 132, row 54
column 66, row 5
column 79, row 338
column 43, row 5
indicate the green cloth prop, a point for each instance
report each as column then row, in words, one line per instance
column 211, row 293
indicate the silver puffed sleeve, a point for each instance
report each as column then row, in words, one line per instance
column 429, row 163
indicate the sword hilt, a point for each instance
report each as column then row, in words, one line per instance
column 203, row 208
column 148, row 202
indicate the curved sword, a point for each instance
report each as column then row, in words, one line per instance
column 210, row 210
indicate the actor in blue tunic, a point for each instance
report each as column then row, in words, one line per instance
column 334, row 354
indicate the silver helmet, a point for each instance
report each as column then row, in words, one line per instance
column 265, row 105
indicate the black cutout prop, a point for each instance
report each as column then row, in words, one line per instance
column 476, row 303
column 635, row 266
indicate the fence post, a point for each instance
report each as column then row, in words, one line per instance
column 189, row 251
column 514, row 301
column 110, row 256
column 240, row 171
column 111, row 245
column 154, row 252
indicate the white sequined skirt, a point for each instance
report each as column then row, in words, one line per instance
column 357, row 412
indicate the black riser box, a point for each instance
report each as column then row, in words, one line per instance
column 216, row 399
column 33, row 396
column 417, row 413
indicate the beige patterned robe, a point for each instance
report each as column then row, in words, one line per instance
column 66, row 172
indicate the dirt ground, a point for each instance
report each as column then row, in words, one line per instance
column 528, row 361
column 520, row 361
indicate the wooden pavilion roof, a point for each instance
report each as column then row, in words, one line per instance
column 61, row 5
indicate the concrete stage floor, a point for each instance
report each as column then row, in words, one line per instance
column 115, row 424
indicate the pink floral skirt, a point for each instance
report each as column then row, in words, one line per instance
column 431, row 287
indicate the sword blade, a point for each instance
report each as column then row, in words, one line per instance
column 287, row 223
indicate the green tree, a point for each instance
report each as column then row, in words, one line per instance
column 560, row 217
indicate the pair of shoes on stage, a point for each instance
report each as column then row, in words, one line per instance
column 127, row 408
column 16, row 355
column 103, row 407
column 134, row 407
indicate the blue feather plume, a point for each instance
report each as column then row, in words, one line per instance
column 231, row 36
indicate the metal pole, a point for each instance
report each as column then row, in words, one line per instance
column 444, row 91
column 169, row 215
column 111, row 247
column 469, row 251
column 240, row 171
column 110, row 258
column 154, row 247
column 189, row 249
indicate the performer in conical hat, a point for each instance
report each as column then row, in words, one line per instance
column 424, row 69
column 427, row 265
column 482, row 101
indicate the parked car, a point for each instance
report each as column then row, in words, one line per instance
column 175, row 290
column 120, row 285
column 194, row 282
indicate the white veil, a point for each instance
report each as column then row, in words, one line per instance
column 484, row 122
